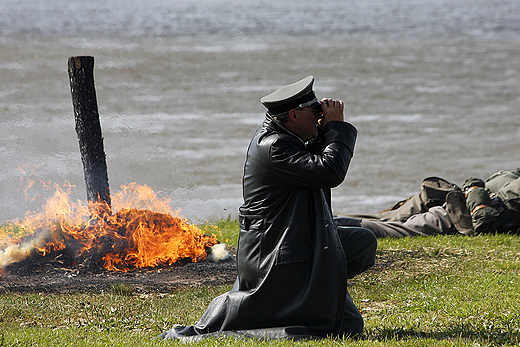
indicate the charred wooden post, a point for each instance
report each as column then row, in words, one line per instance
column 88, row 129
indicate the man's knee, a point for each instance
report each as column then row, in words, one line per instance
column 357, row 240
column 359, row 245
column 370, row 240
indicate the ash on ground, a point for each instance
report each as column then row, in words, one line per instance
column 52, row 276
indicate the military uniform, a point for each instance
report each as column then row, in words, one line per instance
column 444, row 208
column 292, row 261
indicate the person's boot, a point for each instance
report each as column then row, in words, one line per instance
column 459, row 213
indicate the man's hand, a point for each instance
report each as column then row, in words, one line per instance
column 332, row 111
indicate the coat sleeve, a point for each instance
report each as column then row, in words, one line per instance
column 295, row 165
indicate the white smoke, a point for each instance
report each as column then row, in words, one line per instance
column 217, row 253
column 18, row 252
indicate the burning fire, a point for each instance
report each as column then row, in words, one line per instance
column 144, row 232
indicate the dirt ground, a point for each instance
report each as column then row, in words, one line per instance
column 53, row 277
column 47, row 275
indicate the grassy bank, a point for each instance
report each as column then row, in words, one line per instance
column 425, row 291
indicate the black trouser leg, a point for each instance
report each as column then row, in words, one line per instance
column 359, row 245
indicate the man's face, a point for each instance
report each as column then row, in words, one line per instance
column 306, row 122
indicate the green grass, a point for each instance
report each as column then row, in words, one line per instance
column 444, row 288
column 226, row 230
column 425, row 291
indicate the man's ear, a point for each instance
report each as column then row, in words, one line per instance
column 293, row 117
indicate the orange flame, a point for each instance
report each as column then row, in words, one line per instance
column 134, row 237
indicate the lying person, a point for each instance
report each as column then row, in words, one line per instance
column 444, row 208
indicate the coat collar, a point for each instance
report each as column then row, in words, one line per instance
column 275, row 125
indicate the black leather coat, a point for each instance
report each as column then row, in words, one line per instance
column 291, row 266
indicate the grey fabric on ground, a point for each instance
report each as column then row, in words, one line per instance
column 433, row 222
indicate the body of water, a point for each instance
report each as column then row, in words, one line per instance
column 432, row 86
